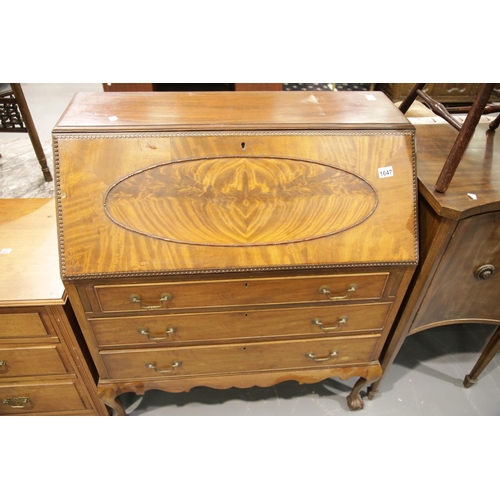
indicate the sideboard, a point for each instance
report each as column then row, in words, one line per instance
column 457, row 279
column 235, row 239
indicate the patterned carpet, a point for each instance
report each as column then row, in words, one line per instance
column 327, row 86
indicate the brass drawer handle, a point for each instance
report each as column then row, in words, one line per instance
column 3, row 362
column 153, row 366
column 326, row 290
column 19, row 402
column 168, row 331
column 319, row 360
column 342, row 321
column 136, row 299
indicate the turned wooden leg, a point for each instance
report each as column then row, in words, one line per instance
column 489, row 352
column 464, row 137
column 494, row 124
column 354, row 400
column 109, row 397
column 32, row 133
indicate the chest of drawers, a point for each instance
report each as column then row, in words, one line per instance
column 235, row 239
column 43, row 369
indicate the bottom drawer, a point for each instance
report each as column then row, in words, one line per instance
column 239, row 358
column 19, row 398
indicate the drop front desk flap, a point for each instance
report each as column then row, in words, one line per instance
column 289, row 216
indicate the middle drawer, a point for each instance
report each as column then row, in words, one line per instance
column 175, row 329
column 29, row 361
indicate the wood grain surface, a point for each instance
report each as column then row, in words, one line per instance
column 257, row 198
column 240, row 358
column 254, row 324
column 29, row 263
column 240, row 201
column 455, row 294
column 476, row 173
column 159, row 111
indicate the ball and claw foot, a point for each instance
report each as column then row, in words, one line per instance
column 354, row 400
column 355, row 403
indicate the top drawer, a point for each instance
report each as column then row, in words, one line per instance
column 229, row 293
column 23, row 325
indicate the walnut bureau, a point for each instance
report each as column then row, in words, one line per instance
column 43, row 367
column 235, row 239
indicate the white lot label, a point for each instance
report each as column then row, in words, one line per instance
column 385, row 172
column 5, row 251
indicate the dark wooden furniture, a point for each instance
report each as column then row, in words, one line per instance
column 15, row 116
column 43, row 366
column 447, row 93
column 465, row 131
column 457, row 279
column 235, row 239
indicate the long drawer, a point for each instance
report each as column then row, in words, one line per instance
column 239, row 358
column 229, row 293
column 239, row 325
column 29, row 361
column 20, row 399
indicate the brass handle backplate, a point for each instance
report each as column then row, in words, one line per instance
column 18, row 402
column 341, row 321
column 320, row 360
column 326, row 291
column 3, row 362
column 136, row 299
column 152, row 366
column 168, row 331
column 484, row 272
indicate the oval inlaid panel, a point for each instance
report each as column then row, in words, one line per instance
column 240, row 201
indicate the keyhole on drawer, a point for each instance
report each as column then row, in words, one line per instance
column 246, row 285
column 246, row 315
column 243, row 145
column 244, row 348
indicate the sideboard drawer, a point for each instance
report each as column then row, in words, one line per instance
column 239, row 358
column 20, row 399
column 27, row 325
column 28, row 361
column 249, row 324
column 228, row 293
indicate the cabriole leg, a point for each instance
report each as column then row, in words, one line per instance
column 109, row 397
column 354, row 400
